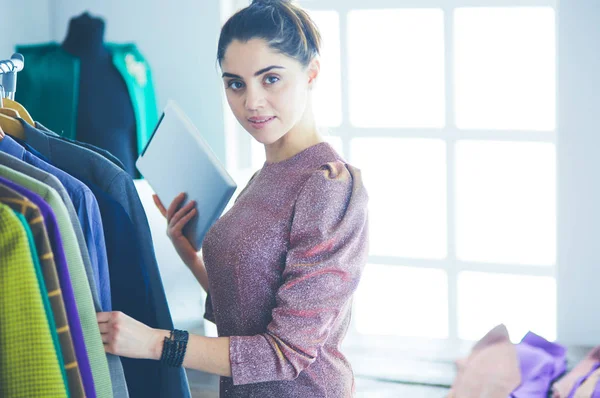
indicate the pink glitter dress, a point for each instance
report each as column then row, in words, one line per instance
column 283, row 264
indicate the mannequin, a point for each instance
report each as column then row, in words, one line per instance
column 105, row 116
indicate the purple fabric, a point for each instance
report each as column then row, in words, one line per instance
column 541, row 362
column 65, row 283
column 283, row 264
column 88, row 213
column 596, row 393
column 580, row 381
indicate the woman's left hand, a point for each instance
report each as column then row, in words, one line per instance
column 126, row 337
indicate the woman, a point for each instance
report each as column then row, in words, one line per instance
column 282, row 264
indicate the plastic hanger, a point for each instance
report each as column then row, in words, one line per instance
column 9, row 124
column 10, row 104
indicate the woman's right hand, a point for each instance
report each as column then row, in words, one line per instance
column 176, row 220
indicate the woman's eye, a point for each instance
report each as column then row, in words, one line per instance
column 271, row 79
column 235, row 85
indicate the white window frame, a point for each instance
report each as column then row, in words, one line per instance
column 450, row 134
column 572, row 327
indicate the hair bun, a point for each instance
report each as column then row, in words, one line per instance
column 270, row 2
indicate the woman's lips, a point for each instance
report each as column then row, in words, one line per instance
column 260, row 122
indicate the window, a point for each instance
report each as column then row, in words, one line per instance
column 450, row 111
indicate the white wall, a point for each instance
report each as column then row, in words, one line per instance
column 23, row 21
column 179, row 39
column 578, row 278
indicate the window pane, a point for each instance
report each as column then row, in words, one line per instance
column 505, row 68
column 406, row 181
column 522, row 303
column 506, row 202
column 327, row 95
column 396, row 68
column 402, row 301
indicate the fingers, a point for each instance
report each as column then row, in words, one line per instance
column 104, row 327
column 174, row 206
column 160, row 206
column 103, row 317
column 181, row 213
column 184, row 220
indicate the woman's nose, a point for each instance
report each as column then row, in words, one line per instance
column 255, row 99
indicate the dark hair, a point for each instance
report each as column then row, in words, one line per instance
column 286, row 28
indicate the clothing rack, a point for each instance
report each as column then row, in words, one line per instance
column 8, row 75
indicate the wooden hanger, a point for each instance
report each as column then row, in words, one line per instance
column 10, row 104
column 12, row 126
column 9, row 124
column 10, row 112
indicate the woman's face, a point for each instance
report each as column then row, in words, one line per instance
column 267, row 91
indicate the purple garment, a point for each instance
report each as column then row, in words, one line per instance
column 88, row 214
column 65, row 284
column 283, row 264
column 541, row 363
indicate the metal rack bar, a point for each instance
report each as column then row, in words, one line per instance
column 8, row 74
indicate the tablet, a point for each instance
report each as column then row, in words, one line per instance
column 177, row 159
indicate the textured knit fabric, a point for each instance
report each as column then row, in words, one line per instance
column 92, row 225
column 29, row 185
column 32, row 369
column 86, row 205
column 62, row 268
column 24, row 212
column 44, row 295
column 118, row 185
column 37, row 221
column 573, row 379
column 81, row 289
column 51, row 181
column 114, row 362
column 491, row 370
column 283, row 264
column 541, row 362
